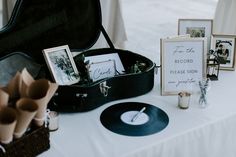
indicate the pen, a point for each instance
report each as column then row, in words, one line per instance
column 138, row 114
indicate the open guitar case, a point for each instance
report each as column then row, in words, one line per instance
column 39, row 24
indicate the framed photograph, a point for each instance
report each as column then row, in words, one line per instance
column 61, row 65
column 196, row 28
column 224, row 47
column 183, row 64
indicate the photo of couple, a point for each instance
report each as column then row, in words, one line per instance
column 223, row 49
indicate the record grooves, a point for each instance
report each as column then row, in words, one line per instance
column 111, row 119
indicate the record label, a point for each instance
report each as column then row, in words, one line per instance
column 127, row 117
column 134, row 119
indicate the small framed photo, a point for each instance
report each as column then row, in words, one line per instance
column 196, row 28
column 224, row 47
column 61, row 65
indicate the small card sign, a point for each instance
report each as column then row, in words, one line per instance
column 112, row 56
column 183, row 64
column 101, row 70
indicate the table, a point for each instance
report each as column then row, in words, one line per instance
column 194, row 132
column 111, row 16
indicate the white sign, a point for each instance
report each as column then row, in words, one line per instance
column 183, row 64
column 101, row 70
column 101, row 58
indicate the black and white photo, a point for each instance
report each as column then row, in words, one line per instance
column 61, row 64
column 224, row 47
column 196, row 28
column 196, row 31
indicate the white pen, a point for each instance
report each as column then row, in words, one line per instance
column 138, row 114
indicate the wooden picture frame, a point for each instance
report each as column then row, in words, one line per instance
column 61, row 65
column 224, row 47
column 183, row 64
column 196, row 28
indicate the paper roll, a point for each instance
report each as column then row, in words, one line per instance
column 4, row 96
column 14, row 85
column 27, row 79
column 52, row 90
column 7, row 124
column 41, row 91
column 26, row 110
column 38, row 91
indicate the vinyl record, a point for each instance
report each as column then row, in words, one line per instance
column 118, row 119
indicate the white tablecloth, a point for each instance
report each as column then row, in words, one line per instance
column 194, row 132
column 111, row 16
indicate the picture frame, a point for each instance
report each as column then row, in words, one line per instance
column 61, row 65
column 196, row 28
column 224, row 50
column 183, row 62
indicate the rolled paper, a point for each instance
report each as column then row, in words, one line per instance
column 27, row 79
column 38, row 91
column 52, row 90
column 13, row 86
column 41, row 92
column 4, row 96
column 26, row 110
column 7, row 124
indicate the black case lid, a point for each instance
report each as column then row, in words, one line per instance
column 39, row 24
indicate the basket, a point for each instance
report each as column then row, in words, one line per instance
column 29, row 145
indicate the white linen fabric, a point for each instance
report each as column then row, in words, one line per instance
column 224, row 20
column 194, row 132
column 112, row 21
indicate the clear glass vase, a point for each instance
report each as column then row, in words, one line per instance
column 204, row 87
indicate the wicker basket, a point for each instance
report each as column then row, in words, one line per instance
column 30, row 145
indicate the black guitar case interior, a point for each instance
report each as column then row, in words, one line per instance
column 39, row 24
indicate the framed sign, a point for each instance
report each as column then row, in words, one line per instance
column 101, row 70
column 112, row 56
column 183, row 62
column 224, row 47
column 61, row 65
column 196, row 28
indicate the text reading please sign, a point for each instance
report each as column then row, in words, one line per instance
column 183, row 64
